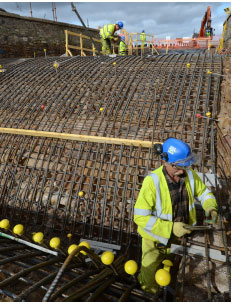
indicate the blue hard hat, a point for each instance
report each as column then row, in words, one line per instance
column 123, row 37
column 143, row 31
column 177, row 152
column 120, row 23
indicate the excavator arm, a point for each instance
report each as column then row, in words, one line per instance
column 206, row 24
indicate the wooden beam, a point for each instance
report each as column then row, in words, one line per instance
column 78, row 137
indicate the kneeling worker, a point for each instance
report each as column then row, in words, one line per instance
column 166, row 204
column 122, row 46
column 107, row 34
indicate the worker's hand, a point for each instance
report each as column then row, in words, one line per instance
column 212, row 213
column 115, row 38
column 179, row 230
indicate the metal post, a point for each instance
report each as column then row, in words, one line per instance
column 87, row 31
column 66, row 42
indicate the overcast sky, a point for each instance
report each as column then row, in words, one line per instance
column 175, row 19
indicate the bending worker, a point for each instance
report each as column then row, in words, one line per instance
column 166, row 204
column 122, row 46
column 107, row 34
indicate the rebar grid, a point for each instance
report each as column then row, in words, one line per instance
column 148, row 99
column 33, row 273
column 41, row 180
column 132, row 94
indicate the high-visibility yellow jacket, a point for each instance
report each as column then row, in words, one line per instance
column 107, row 31
column 143, row 37
column 153, row 208
column 122, row 48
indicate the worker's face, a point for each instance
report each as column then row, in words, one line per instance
column 174, row 170
column 117, row 27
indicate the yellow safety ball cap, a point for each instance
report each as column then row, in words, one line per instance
column 55, row 242
column 114, row 63
column 0, row 66
column 5, row 224
column 188, row 65
column 69, row 235
column 208, row 72
column 107, row 257
column 167, row 263
column 18, row 229
column 208, row 114
column 101, row 109
column 38, row 237
column 131, row 267
column 45, row 50
column 86, row 244
column 162, row 277
column 81, row 193
column 71, row 248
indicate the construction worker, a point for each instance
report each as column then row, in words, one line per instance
column 122, row 46
column 142, row 38
column 107, row 34
column 166, row 204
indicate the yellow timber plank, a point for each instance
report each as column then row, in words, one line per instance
column 77, row 137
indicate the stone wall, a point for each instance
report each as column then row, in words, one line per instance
column 227, row 36
column 224, row 124
column 22, row 36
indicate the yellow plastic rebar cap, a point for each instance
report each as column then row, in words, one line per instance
column 18, row 229
column 71, row 248
column 5, row 224
column 167, row 263
column 55, row 242
column 162, row 277
column 38, row 237
column 131, row 267
column 107, row 257
column 86, row 244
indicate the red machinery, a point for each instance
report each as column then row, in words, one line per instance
column 206, row 29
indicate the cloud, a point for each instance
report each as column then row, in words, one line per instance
column 175, row 19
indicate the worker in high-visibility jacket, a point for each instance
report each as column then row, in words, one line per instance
column 142, row 38
column 122, row 46
column 166, row 204
column 107, row 34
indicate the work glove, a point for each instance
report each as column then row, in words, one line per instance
column 179, row 230
column 115, row 39
column 214, row 215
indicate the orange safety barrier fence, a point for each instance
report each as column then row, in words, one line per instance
column 183, row 43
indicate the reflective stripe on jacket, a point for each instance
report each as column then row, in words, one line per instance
column 122, row 47
column 107, row 32
column 153, row 208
